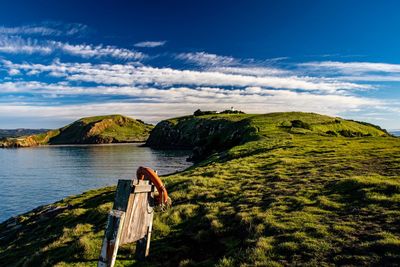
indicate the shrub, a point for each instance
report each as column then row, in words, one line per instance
column 348, row 133
column 330, row 132
column 201, row 113
column 228, row 111
column 300, row 124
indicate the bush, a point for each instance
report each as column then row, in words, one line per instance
column 348, row 133
column 300, row 124
column 201, row 113
column 330, row 132
column 228, row 111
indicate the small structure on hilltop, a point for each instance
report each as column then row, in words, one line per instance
column 131, row 218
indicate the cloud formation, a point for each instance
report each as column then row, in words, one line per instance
column 75, row 79
column 153, row 104
column 150, row 44
column 128, row 74
column 46, row 29
column 353, row 67
column 207, row 59
column 18, row 45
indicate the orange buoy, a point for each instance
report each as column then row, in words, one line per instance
column 148, row 174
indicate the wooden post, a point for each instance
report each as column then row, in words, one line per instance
column 112, row 238
column 130, row 220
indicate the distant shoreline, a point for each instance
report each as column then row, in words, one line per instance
column 395, row 132
column 83, row 145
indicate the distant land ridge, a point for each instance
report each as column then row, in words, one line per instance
column 89, row 130
column 395, row 132
column 7, row 133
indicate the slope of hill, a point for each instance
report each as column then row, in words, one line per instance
column 299, row 189
column 90, row 130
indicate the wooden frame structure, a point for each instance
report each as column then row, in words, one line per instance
column 130, row 220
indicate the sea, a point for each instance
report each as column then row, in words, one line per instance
column 35, row 176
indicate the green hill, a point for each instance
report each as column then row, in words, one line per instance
column 290, row 189
column 216, row 132
column 90, row 130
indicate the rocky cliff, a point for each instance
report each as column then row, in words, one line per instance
column 204, row 135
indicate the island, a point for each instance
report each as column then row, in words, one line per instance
column 89, row 130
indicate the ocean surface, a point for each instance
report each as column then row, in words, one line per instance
column 396, row 133
column 30, row 177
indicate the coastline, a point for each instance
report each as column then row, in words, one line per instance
column 297, row 194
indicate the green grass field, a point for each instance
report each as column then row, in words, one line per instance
column 305, row 189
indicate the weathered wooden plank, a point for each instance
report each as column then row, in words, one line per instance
column 143, row 188
column 124, row 189
column 149, row 231
column 143, row 244
column 111, row 239
column 139, row 214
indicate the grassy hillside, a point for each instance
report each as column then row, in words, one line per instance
column 90, row 130
column 305, row 189
column 214, row 133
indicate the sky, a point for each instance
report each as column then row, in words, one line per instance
column 152, row 60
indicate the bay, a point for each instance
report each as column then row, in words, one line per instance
column 30, row 177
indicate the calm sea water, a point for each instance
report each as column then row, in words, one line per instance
column 30, row 177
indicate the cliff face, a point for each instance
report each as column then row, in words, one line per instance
column 203, row 135
column 91, row 130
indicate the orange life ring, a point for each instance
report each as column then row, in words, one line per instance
column 148, row 174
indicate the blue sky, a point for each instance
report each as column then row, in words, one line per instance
column 62, row 60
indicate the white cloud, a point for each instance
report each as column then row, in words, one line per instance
column 206, row 59
column 128, row 74
column 353, row 67
column 32, row 72
column 151, row 44
column 13, row 72
column 87, row 50
column 18, row 45
column 178, row 101
column 252, row 99
column 46, row 29
column 251, row 70
column 153, row 94
column 29, row 30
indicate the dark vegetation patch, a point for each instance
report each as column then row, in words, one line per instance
column 210, row 112
column 300, row 124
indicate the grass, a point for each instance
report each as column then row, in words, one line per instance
column 284, row 197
